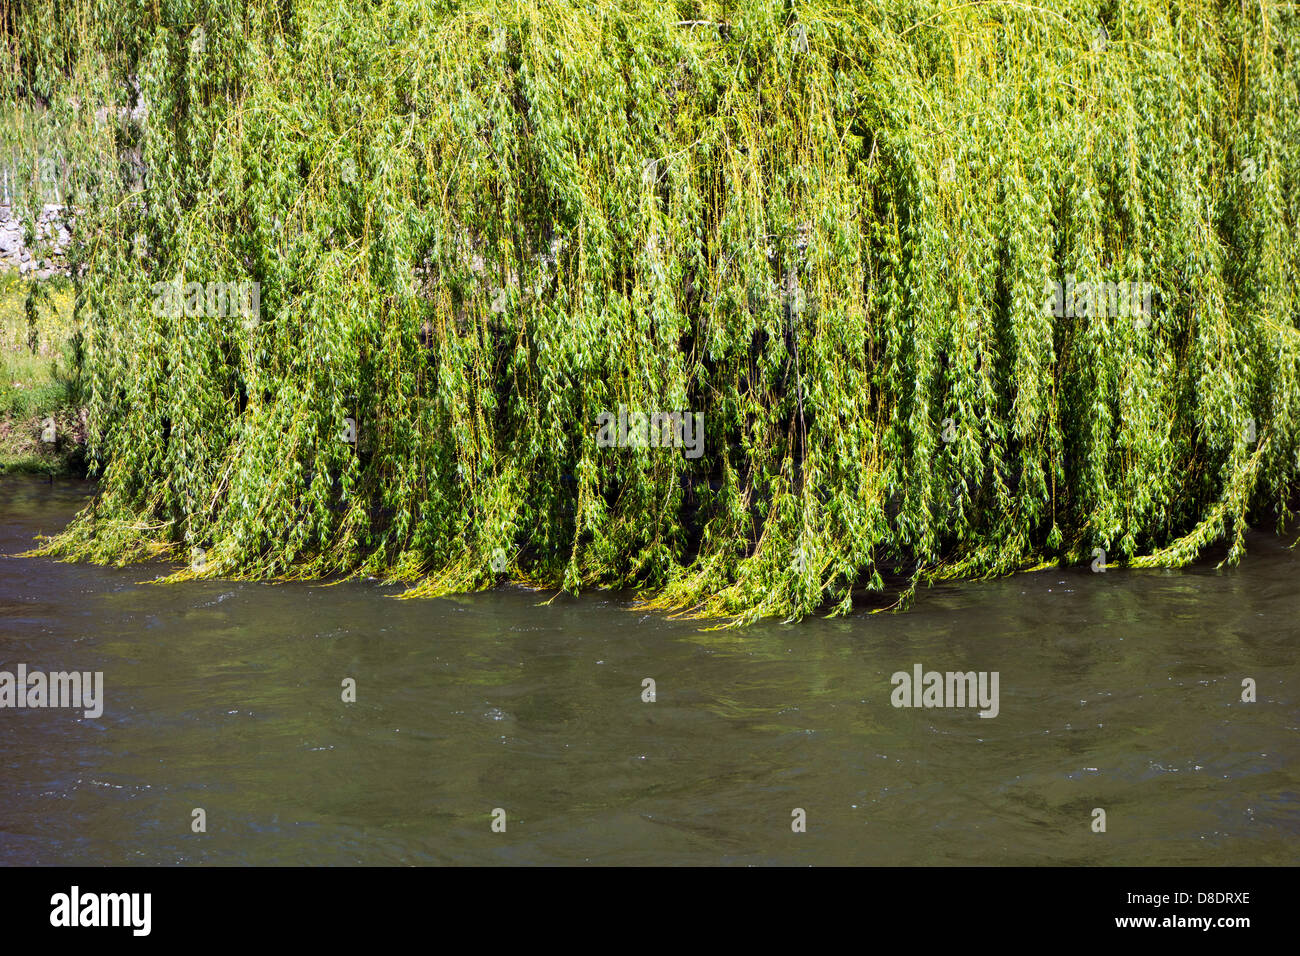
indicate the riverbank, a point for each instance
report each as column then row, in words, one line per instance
column 43, row 422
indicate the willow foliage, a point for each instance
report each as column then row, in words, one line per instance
column 828, row 227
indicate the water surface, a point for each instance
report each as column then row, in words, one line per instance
column 1118, row 690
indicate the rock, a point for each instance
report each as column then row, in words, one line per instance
column 53, row 232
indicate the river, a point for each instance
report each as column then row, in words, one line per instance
column 1119, row 691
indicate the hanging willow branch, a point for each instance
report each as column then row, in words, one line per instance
column 958, row 289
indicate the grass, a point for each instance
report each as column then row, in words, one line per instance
column 41, row 383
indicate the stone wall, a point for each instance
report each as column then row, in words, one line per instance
column 53, row 235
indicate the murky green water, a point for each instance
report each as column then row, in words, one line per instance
column 1119, row 691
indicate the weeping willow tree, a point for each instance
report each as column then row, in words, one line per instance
column 838, row 231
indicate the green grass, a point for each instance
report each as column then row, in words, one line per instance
column 38, row 385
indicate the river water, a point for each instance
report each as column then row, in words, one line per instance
column 1119, row 691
